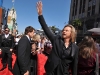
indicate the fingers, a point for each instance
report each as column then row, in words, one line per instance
column 39, row 7
column 39, row 4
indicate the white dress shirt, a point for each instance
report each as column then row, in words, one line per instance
column 28, row 37
column 6, row 35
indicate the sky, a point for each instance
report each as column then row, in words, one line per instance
column 55, row 12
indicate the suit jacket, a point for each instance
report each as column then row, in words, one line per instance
column 23, row 56
column 9, row 39
column 55, row 56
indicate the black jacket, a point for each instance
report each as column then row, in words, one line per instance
column 7, row 42
column 23, row 57
column 55, row 56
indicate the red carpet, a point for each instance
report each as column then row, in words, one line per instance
column 6, row 71
column 41, row 58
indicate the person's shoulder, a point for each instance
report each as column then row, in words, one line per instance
column 10, row 35
column 75, row 46
column 2, row 34
column 23, row 37
column 58, row 36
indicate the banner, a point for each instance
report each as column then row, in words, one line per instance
column 0, row 16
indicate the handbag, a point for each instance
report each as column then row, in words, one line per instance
column 97, row 65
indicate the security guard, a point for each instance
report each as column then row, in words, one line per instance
column 6, row 47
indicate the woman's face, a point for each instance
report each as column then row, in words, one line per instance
column 39, row 40
column 66, row 33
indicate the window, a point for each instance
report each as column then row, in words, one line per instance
column 83, row 15
column 76, row 7
column 73, row 8
column 93, row 10
column 93, row 2
column 80, row 8
column 83, row 9
column 99, row 8
column 88, row 14
column 80, row 16
column 90, row 3
column 89, row 11
column 73, row 17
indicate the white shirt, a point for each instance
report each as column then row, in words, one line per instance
column 28, row 37
column 17, row 40
column 6, row 35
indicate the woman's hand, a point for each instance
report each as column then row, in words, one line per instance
column 33, row 52
column 38, row 51
column 39, row 8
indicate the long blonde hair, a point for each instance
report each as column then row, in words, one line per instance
column 73, row 32
column 87, row 47
column 36, row 37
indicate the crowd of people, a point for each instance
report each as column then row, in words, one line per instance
column 60, row 54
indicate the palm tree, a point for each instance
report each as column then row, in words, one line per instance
column 77, row 23
column 53, row 28
column 13, row 19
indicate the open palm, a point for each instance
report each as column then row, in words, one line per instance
column 39, row 8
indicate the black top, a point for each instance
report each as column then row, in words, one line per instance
column 24, row 54
column 66, row 51
column 55, row 65
column 7, row 42
column 23, row 61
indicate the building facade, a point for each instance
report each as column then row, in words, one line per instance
column 88, row 11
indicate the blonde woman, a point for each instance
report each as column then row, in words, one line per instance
column 37, row 38
column 64, row 54
column 35, row 50
column 87, row 56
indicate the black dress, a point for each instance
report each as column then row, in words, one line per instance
column 60, row 58
column 33, row 68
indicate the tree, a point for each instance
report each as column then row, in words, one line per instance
column 53, row 28
column 77, row 23
column 13, row 31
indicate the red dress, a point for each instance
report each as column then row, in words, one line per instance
column 41, row 60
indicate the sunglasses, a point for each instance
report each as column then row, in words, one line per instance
column 6, row 30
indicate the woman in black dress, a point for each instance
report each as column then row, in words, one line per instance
column 64, row 54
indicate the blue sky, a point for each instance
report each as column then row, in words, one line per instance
column 56, row 12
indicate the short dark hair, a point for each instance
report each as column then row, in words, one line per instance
column 7, row 28
column 29, row 29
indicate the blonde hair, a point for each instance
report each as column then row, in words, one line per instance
column 36, row 37
column 73, row 33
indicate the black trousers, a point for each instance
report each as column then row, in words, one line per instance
column 6, row 57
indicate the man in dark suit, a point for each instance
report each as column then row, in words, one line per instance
column 6, row 46
column 64, row 53
column 24, row 53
